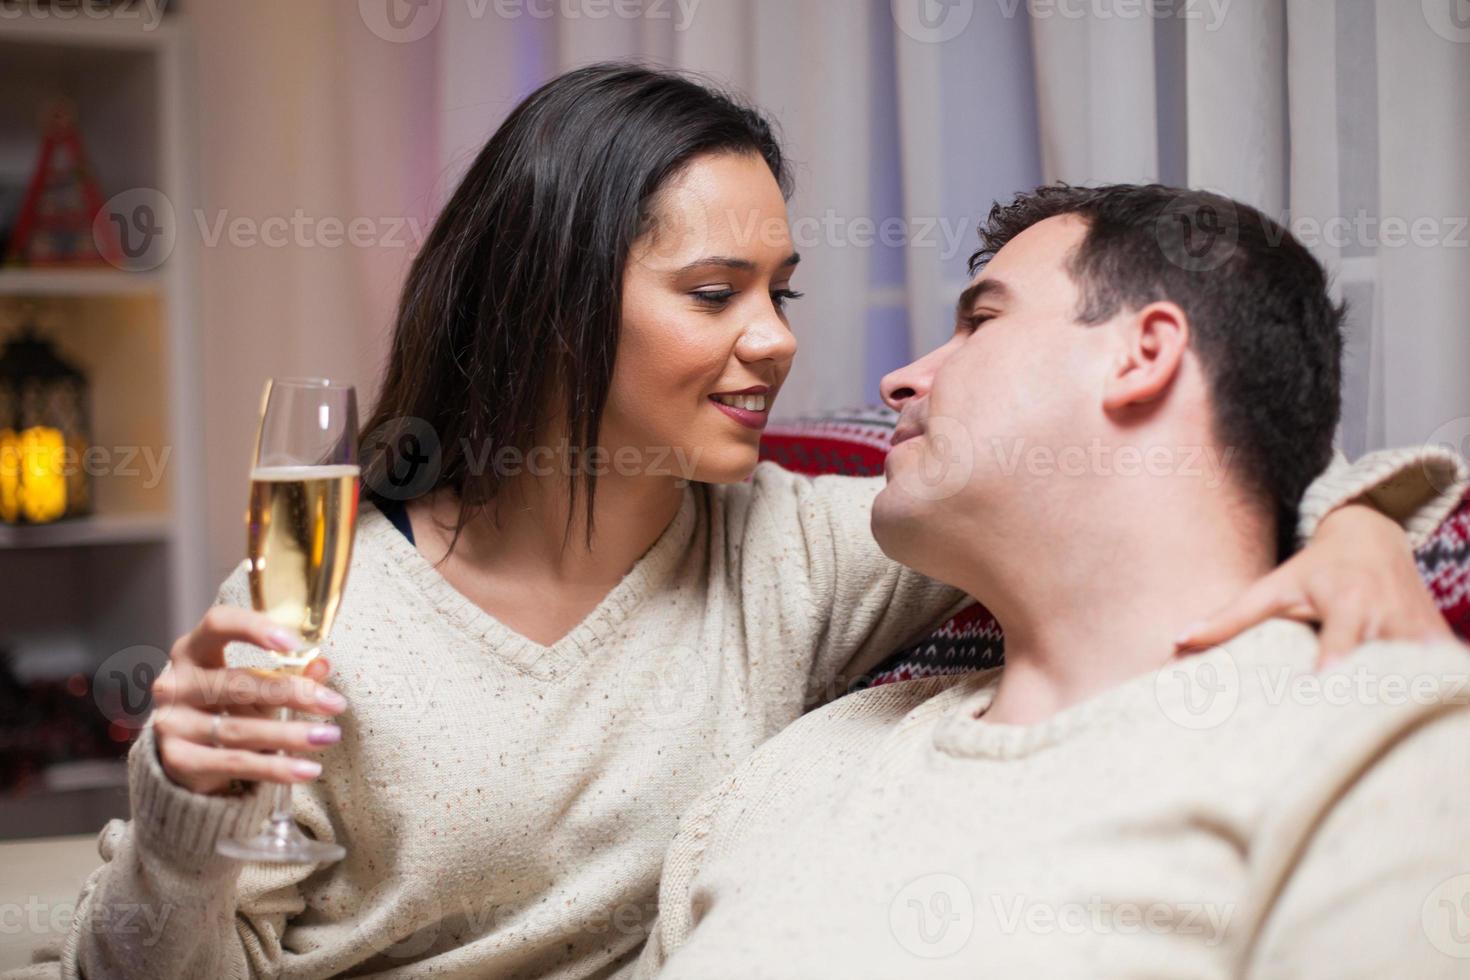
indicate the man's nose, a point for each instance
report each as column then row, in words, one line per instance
column 908, row 382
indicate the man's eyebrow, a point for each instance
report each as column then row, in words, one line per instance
column 728, row 262
column 985, row 288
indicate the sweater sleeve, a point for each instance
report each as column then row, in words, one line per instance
column 191, row 912
column 1418, row 487
column 1380, row 887
column 807, row 549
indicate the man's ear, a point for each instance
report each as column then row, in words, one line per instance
column 1151, row 344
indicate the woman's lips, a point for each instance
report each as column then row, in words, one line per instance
column 747, row 418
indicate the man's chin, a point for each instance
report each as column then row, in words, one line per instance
column 895, row 524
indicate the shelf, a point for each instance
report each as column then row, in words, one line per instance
column 88, row 531
column 78, row 282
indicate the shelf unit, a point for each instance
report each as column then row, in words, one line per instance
column 131, row 575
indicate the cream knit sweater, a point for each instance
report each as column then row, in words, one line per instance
column 1233, row 815
column 506, row 806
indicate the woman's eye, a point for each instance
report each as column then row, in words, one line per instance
column 713, row 297
column 782, row 296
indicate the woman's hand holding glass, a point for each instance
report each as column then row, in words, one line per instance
column 214, row 724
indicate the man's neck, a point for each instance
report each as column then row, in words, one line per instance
column 1106, row 601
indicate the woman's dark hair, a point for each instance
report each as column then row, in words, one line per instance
column 510, row 314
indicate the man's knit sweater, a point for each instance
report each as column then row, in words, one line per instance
column 506, row 805
column 1231, row 815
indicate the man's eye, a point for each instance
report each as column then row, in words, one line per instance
column 975, row 321
column 782, row 296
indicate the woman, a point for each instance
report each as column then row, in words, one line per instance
column 585, row 616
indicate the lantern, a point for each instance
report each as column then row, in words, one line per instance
column 43, row 433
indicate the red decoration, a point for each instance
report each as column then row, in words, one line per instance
column 55, row 226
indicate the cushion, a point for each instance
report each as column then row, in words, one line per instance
column 854, row 443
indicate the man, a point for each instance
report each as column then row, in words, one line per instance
column 1103, row 806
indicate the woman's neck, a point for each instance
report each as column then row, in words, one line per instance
column 535, row 528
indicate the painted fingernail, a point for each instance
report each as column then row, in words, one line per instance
column 324, row 735
column 283, row 640
column 306, row 768
column 1185, row 638
column 330, row 699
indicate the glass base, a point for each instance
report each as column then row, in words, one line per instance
column 288, row 847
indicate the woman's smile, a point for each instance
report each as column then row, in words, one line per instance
column 750, row 406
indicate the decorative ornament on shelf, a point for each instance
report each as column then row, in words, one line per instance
column 55, row 226
column 44, row 433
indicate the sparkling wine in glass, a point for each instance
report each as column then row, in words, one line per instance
column 301, row 519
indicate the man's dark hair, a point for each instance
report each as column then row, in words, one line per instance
column 1262, row 323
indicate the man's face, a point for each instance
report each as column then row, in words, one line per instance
column 1019, row 378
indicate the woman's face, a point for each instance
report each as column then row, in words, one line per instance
column 705, row 345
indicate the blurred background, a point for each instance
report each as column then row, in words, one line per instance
column 199, row 194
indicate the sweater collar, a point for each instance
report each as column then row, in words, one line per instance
column 377, row 535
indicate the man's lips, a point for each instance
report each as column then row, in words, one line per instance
column 903, row 433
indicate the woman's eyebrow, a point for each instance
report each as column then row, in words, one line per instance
column 728, row 262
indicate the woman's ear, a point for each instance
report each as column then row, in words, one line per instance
column 1150, row 350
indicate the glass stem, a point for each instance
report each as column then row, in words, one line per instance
column 281, row 818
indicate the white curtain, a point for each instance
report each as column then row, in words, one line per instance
column 1347, row 119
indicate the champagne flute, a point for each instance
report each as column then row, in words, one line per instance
column 303, row 512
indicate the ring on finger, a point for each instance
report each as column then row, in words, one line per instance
column 214, row 727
